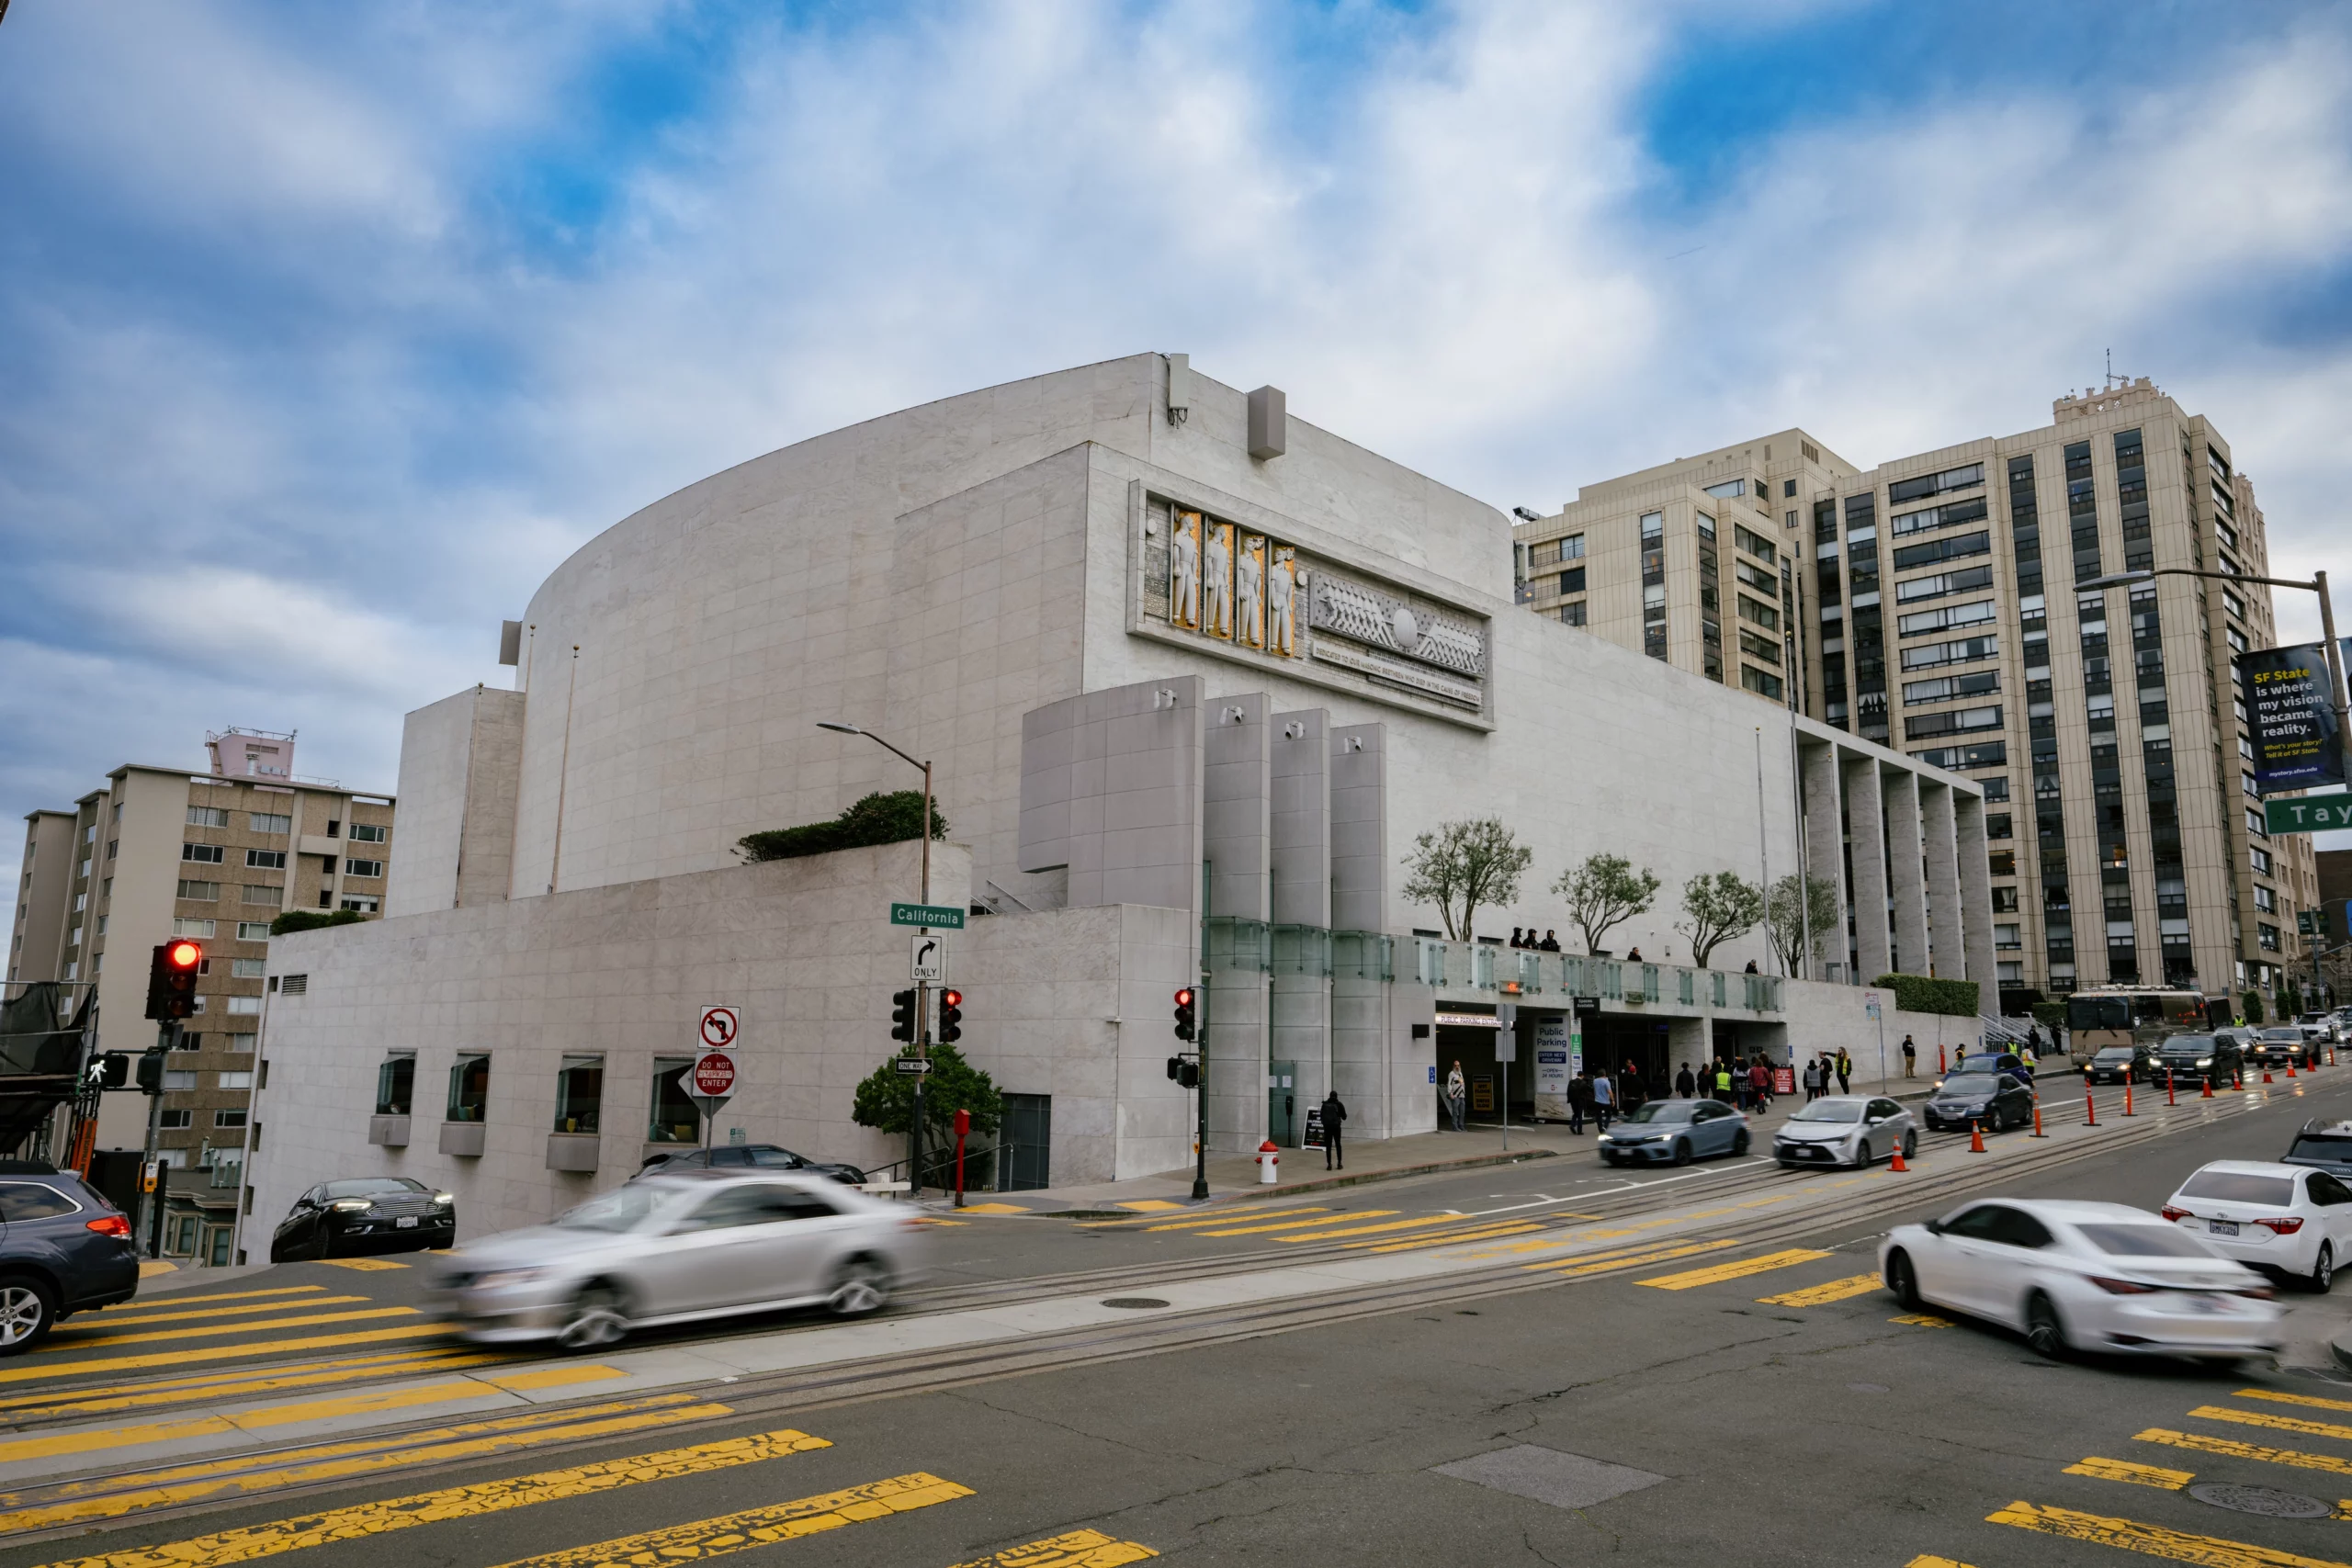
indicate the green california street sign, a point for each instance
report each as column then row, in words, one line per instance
column 935, row 917
column 2309, row 813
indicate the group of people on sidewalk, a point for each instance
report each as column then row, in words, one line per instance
column 1825, row 1067
column 1551, row 942
column 1743, row 1081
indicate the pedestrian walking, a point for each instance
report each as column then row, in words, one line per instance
column 1684, row 1084
column 1759, row 1086
column 1723, row 1082
column 1335, row 1116
column 1810, row 1079
column 1580, row 1101
column 1910, row 1057
column 1604, row 1100
column 1845, row 1072
column 1457, row 1094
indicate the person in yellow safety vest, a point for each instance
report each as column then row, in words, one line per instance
column 1723, row 1081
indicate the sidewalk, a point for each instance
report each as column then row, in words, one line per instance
column 1234, row 1177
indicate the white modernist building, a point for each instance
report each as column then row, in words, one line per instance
column 1194, row 676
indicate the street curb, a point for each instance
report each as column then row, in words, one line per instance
column 1326, row 1184
column 2341, row 1348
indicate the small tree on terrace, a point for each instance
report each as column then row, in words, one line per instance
column 1715, row 909
column 1462, row 866
column 1604, row 892
column 1797, row 903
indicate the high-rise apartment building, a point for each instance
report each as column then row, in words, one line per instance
column 1930, row 604
column 160, row 853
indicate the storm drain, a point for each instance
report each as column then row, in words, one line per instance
column 1138, row 1303
column 1563, row 1480
column 2267, row 1501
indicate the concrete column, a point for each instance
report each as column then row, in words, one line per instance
column 1301, row 851
column 1237, row 809
column 1372, row 1044
column 1942, row 853
column 1866, row 847
column 1906, row 876
column 1823, row 842
column 1975, row 900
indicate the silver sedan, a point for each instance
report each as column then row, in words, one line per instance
column 1846, row 1129
column 667, row 1249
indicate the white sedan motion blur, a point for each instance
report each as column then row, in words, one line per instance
column 2073, row 1276
column 2289, row 1219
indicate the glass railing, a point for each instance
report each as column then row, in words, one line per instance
column 1481, row 966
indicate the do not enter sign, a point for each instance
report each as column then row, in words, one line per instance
column 715, row 1075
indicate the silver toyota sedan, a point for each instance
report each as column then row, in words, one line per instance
column 679, row 1249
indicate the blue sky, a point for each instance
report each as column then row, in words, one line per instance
column 330, row 330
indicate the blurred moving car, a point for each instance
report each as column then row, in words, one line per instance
column 1846, row 1129
column 2073, row 1276
column 2122, row 1064
column 2330, row 1029
column 63, row 1249
column 2285, row 1045
column 2198, row 1059
column 1980, row 1092
column 1675, row 1130
column 2288, row 1220
column 755, row 1157
column 680, row 1247
column 367, row 1213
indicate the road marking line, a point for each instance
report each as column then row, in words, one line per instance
column 366, row 1520
column 2279, row 1423
column 2199, row 1443
column 1224, row 1217
column 1148, row 1205
column 269, row 1415
column 148, row 1270
column 1294, row 1224
column 101, row 1340
column 1923, row 1320
column 1738, row 1271
column 1369, row 1230
column 759, row 1527
column 76, row 1502
column 365, row 1265
column 2137, row 1474
column 1451, row 1238
column 222, row 1385
column 178, row 1299
column 143, row 1319
column 1634, row 1257
column 994, row 1209
column 2311, row 1399
column 1923, row 1562
column 553, row 1377
column 2130, row 1535
column 1079, row 1549
column 1844, row 1289
column 212, row 1352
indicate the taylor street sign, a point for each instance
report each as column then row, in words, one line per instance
column 935, row 917
column 913, row 1066
column 2307, row 813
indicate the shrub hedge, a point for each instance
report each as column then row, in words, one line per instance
column 311, row 919
column 1918, row 993
column 879, row 818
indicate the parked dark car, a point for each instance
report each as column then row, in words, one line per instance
column 63, row 1249
column 2198, row 1059
column 762, row 1157
column 2284, row 1046
column 367, row 1213
column 1987, row 1091
column 2122, row 1064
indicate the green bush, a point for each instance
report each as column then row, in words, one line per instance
column 885, row 1099
column 1918, row 993
column 2050, row 1015
column 311, row 919
column 2251, row 1004
column 879, row 818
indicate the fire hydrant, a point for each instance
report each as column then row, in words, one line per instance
column 1270, row 1159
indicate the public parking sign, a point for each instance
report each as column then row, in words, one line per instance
column 714, row 1075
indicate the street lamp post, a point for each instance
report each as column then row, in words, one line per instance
column 922, row 990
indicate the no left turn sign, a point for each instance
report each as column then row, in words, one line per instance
column 717, row 1028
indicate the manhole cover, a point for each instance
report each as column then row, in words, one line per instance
column 2266, row 1500
column 1137, row 1302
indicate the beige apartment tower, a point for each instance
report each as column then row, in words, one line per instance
column 159, row 852
column 1930, row 605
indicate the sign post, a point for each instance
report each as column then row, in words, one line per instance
column 1506, row 1053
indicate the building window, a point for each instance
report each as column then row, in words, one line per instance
column 228, row 1118
column 247, row 968
column 2005, row 937
column 234, row 1081
column 396, row 1084
column 1935, row 484
column 1755, row 545
column 266, row 860
column 368, row 833
column 2265, row 899
column 209, row 855
column 2256, row 825
column 2268, row 937
column 199, row 929
column 363, row 868
column 2261, row 859
column 2005, row 900
column 204, row 816
column 175, row 1121
column 579, row 1093
column 272, row 898
column 364, row 904
column 1787, row 489
column 243, row 1043
column 1949, row 619
column 199, row 892
column 1764, row 616
column 1759, row 681
column 1571, row 549
column 253, row 930
column 1573, row 615
column 179, row 1083
column 1728, row 488
column 675, row 1119
column 468, row 1089
column 269, row 822
column 1571, row 582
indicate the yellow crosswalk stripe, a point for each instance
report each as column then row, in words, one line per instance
column 86, row 1400
column 758, row 1526
column 364, row 1265
column 96, row 1336
column 1451, row 1238
column 1738, row 1271
column 1923, row 1320
column 1226, row 1217
column 553, row 1377
column 363, row 1521
column 25, row 1373
column 111, row 1497
column 1149, row 1205
column 141, row 1319
column 1926, row 1562
column 2137, row 1474
column 1634, row 1257
column 179, row 1299
column 1842, row 1289
column 1079, row 1549
column 2275, row 1396
column 2151, row 1540
column 1294, row 1224
column 1369, row 1230
column 2199, row 1443
column 2278, row 1423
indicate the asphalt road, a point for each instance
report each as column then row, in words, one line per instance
column 1580, row 1420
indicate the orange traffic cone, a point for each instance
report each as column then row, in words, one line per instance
column 1975, row 1138
column 2290, row 1070
column 1899, row 1164
column 2127, row 1096
column 2090, row 1107
column 2170, row 1097
column 2265, row 1075
column 2037, row 1118
column 2209, row 1087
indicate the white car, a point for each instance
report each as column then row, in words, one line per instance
column 1846, row 1129
column 2289, row 1219
column 2084, row 1277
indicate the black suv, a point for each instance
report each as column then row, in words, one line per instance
column 2122, row 1064
column 63, row 1249
column 2214, row 1059
column 765, row 1156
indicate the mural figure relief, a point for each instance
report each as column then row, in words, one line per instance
column 1281, row 594
column 1184, row 570
column 1248, row 589
column 1216, row 607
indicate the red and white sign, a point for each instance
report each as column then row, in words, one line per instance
column 718, row 1028
column 715, row 1075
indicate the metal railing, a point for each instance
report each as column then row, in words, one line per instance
column 1457, row 966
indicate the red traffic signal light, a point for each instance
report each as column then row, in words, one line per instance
column 171, row 980
column 183, row 955
column 951, row 1017
column 1184, row 1025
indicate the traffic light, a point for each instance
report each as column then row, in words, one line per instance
column 1183, row 1072
column 951, row 1017
column 111, row 1069
column 1184, row 1029
column 902, row 1016
column 151, row 1070
column 171, row 980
